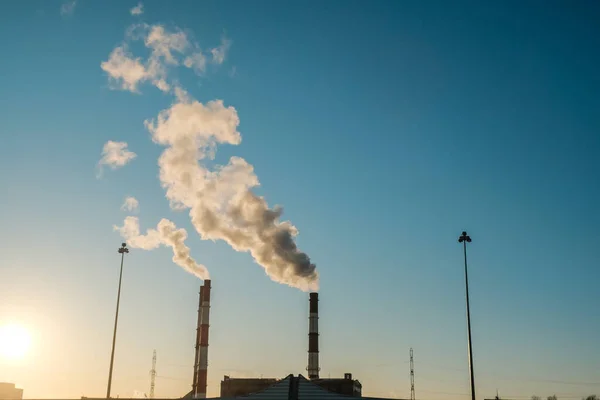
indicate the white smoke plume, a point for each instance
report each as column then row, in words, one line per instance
column 167, row 234
column 220, row 202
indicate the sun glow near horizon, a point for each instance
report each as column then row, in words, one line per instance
column 15, row 341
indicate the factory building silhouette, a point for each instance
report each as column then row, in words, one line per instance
column 8, row 391
column 290, row 387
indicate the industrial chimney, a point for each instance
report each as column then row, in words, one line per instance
column 196, row 357
column 203, row 354
column 313, row 337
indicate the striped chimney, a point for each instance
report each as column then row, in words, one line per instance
column 203, row 355
column 313, row 337
column 196, row 357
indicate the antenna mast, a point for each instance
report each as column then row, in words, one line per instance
column 412, row 376
column 153, row 375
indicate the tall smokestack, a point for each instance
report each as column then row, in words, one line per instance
column 203, row 355
column 196, row 357
column 313, row 337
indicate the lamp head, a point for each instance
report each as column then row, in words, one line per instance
column 464, row 238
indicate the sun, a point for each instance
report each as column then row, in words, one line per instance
column 15, row 341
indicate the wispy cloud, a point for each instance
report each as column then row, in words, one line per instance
column 197, row 62
column 168, row 49
column 68, row 7
column 137, row 10
column 220, row 53
column 114, row 155
column 130, row 204
column 124, row 71
column 164, row 43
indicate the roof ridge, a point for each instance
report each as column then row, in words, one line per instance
column 271, row 388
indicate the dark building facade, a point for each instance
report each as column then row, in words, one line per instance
column 8, row 391
column 345, row 386
column 235, row 387
column 238, row 387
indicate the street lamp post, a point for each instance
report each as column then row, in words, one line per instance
column 122, row 250
column 464, row 239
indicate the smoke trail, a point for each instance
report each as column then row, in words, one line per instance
column 220, row 202
column 166, row 233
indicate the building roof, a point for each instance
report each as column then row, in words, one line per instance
column 277, row 391
column 310, row 391
column 295, row 388
column 289, row 388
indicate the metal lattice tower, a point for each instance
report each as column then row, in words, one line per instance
column 153, row 375
column 412, row 376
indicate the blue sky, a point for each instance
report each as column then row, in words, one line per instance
column 384, row 129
